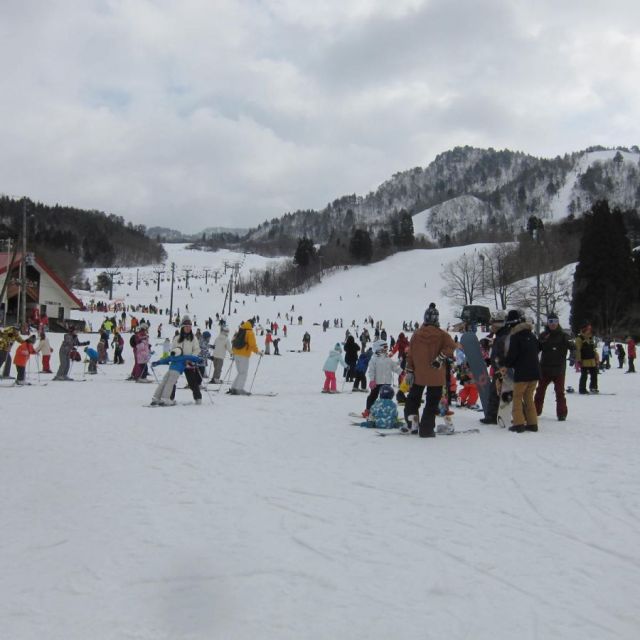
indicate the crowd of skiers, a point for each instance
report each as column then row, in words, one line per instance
column 429, row 363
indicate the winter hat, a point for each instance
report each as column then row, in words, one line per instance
column 206, row 335
column 185, row 320
column 378, row 346
column 552, row 316
column 513, row 317
column 338, row 347
column 432, row 315
column 498, row 316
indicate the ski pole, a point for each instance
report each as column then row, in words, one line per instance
column 255, row 373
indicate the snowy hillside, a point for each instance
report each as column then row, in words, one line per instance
column 276, row 518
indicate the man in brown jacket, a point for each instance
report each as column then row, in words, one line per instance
column 428, row 348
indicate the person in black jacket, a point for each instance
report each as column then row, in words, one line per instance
column 554, row 347
column 351, row 349
column 522, row 357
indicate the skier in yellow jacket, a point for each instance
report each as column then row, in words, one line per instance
column 243, row 345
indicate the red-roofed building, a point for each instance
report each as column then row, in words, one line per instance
column 46, row 292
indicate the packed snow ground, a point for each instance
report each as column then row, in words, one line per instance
column 271, row 518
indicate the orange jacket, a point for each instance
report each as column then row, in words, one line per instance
column 22, row 354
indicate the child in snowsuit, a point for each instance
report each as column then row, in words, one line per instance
column 468, row 397
column 331, row 364
column 360, row 371
column 384, row 411
column 44, row 348
column 166, row 390
column 92, row 358
column 381, row 370
column 22, row 357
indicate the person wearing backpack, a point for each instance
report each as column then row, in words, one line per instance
column 243, row 345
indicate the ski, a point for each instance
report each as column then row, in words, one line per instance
column 177, row 404
column 268, row 394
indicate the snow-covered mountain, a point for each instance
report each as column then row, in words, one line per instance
column 472, row 193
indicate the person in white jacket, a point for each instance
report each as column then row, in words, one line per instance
column 381, row 370
column 221, row 346
column 44, row 348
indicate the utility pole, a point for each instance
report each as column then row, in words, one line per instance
column 216, row 273
column 173, row 273
column 23, row 272
column 137, row 278
column 187, row 272
column 206, row 273
column 112, row 273
column 158, row 272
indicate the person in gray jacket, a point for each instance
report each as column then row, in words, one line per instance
column 69, row 342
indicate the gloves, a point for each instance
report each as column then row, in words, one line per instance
column 372, row 384
column 409, row 377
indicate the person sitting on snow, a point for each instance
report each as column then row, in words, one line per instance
column 92, row 359
column 384, row 411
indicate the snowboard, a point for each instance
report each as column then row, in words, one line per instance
column 471, row 346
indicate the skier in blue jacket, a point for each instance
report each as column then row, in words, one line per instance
column 92, row 358
column 166, row 390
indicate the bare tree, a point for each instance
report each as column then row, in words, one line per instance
column 553, row 290
column 500, row 272
column 463, row 278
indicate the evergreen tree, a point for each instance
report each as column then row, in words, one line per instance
column 603, row 284
column 305, row 252
column 406, row 236
column 361, row 246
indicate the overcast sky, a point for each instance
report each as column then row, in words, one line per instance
column 195, row 113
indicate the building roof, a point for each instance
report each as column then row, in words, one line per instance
column 5, row 258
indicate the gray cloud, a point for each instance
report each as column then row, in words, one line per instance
column 196, row 113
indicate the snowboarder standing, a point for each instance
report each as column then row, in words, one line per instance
column 554, row 347
column 522, row 357
column 428, row 348
column 587, row 359
column 496, row 356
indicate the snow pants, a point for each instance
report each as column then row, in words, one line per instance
column 65, row 365
column 412, row 407
column 46, row 364
column 242, row 366
column 165, row 389
column 558, row 386
column 523, row 411
column 329, row 381
column 592, row 374
column 217, row 368
column 632, row 368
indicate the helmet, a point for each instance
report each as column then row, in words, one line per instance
column 386, row 392
column 206, row 335
column 176, row 351
column 378, row 346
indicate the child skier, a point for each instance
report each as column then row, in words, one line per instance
column 22, row 357
column 331, row 364
column 221, row 346
column 384, row 411
column 44, row 348
column 166, row 390
column 92, row 359
column 360, row 372
column 381, row 370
